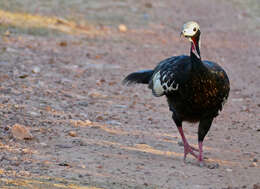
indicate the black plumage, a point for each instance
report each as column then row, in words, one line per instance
column 195, row 90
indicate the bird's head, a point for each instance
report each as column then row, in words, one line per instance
column 191, row 31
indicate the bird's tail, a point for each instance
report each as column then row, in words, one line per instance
column 143, row 77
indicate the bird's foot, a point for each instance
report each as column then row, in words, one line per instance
column 189, row 150
column 200, row 158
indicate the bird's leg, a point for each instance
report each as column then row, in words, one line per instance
column 187, row 148
column 204, row 127
column 200, row 153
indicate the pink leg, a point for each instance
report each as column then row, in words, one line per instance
column 200, row 153
column 187, row 148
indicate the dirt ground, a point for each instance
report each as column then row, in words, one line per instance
column 61, row 67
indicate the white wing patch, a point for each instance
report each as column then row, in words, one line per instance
column 171, row 88
column 157, row 86
column 162, row 85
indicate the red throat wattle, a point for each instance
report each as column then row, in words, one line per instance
column 194, row 43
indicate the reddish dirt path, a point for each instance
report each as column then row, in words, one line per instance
column 89, row 130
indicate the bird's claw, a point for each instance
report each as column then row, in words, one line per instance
column 189, row 150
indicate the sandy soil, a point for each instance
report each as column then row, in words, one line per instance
column 61, row 78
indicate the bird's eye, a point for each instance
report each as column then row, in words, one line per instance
column 194, row 29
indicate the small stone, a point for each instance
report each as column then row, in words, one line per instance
column 120, row 106
column 21, row 132
column 148, row 5
column 43, row 144
column 100, row 118
column 83, row 103
column 63, row 43
column 82, row 143
column 36, row 69
column 113, row 122
column 46, row 163
column 213, row 166
column 23, row 76
column 80, row 176
column 64, row 164
column 72, row 134
column 34, row 113
column 229, row 170
column 78, row 123
column 24, row 173
column 26, row 151
column 64, row 145
column 228, row 137
column 254, row 164
column 122, row 28
column 96, row 94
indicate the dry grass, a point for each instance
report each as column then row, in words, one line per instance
column 25, row 21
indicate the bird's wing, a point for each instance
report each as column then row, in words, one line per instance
column 167, row 75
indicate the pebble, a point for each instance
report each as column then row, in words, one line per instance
column 213, row 166
column 229, row 170
column 72, row 134
column 64, row 146
column 63, row 164
column 21, row 132
column 34, row 113
column 100, row 118
column 24, row 173
column 254, row 164
column 36, row 69
column 63, row 44
column 83, row 103
column 120, row 106
column 113, row 122
column 228, row 137
column 148, row 5
column 96, row 94
column 82, row 143
column 23, row 76
column 122, row 28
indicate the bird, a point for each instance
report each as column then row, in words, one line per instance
column 196, row 90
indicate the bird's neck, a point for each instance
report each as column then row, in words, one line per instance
column 195, row 47
column 197, row 64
